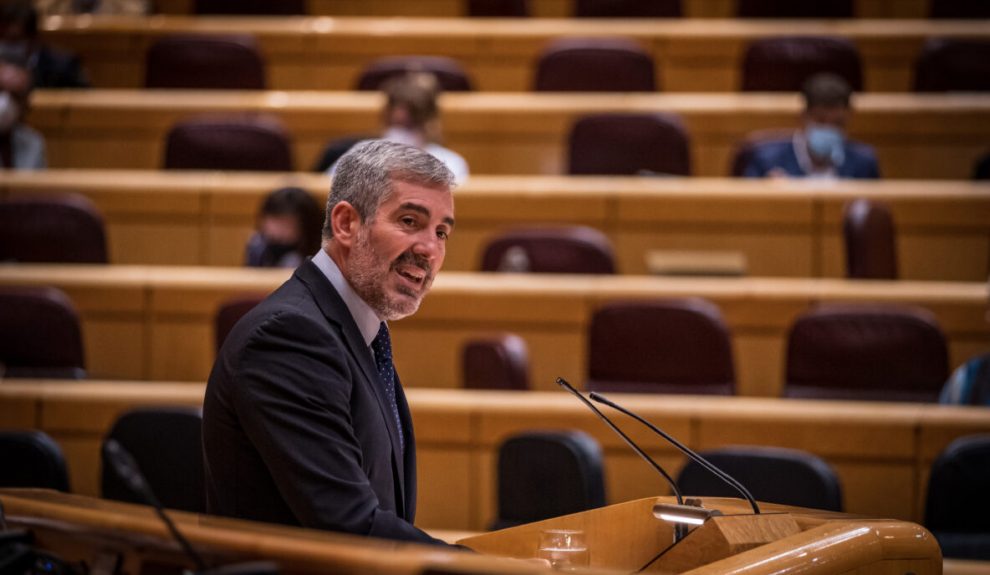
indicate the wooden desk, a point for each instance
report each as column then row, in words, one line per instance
column 788, row 228
column 882, row 452
column 156, row 323
column 933, row 136
column 322, row 53
column 552, row 8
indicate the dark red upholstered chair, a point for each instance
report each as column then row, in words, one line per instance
column 52, row 229
column 497, row 361
column 564, row 250
column 205, row 62
column 627, row 8
column 782, row 64
column 250, row 7
column 233, row 142
column 450, row 75
column 166, row 443
column 594, row 65
column 660, row 346
column 230, row 312
column 791, row 9
column 31, row 458
column 743, row 153
column 771, row 474
column 498, row 8
column 958, row 9
column 957, row 504
column 953, row 65
column 544, row 474
column 866, row 352
column 870, row 237
column 40, row 334
column 629, row 144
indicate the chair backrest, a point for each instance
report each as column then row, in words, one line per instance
column 31, row 459
column 956, row 506
column 40, row 335
column 628, row 8
column 628, row 144
column 230, row 312
column 205, row 61
column 250, row 7
column 958, row 9
column 660, row 346
column 953, row 65
column 52, row 229
column 544, row 474
column 562, row 250
column 782, row 64
column 745, row 149
column 594, row 65
column 497, row 361
column 498, row 8
column 335, row 148
column 237, row 142
column 870, row 237
column 166, row 443
column 866, row 352
column 450, row 75
column 790, row 9
column 771, row 474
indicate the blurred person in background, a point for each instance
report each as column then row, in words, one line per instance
column 21, row 147
column 819, row 148
column 19, row 42
column 288, row 232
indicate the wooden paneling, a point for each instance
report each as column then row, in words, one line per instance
column 550, row 313
column 314, row 53
column 874, row 447
column 915, row 136
column 782, row 228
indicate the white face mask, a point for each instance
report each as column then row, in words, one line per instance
column 10, row 111
column 403, row 136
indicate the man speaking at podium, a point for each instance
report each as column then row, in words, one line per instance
column 305, row 421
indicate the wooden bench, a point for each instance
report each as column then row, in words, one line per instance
column 881, row 452
column 916, row 136
column 319, row 53
column 156, row 323
column 782, row 228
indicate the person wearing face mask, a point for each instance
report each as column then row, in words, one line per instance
column 19, row 43
column 288, row 230
column 412, row 117
column 819, row 149
column 21, row 147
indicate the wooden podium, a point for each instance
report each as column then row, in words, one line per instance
column 628, row 538
column 114, row 537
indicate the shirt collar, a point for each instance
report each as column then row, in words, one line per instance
column 365, row 317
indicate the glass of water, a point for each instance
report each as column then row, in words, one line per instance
column 564, row 548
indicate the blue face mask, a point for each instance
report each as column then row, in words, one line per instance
column 825, row 143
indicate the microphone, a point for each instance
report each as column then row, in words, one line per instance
column 127, row 469
column 709, row 466
column 673, row 486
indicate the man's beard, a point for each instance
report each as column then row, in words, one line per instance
column 369, row 275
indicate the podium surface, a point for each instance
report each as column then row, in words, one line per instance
column 621, row 538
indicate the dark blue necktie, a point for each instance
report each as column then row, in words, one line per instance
column 382, row 346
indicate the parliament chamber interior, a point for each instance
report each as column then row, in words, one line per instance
column 763, row 226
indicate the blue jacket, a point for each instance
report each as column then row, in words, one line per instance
column 860, row 160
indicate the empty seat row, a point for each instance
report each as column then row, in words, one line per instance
column 204, row 61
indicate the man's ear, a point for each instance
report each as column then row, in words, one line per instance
column 345, row 221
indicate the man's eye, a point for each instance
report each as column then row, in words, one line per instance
column 442, row 234
column 408, row 221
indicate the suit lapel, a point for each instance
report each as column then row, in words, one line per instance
column 335, row 310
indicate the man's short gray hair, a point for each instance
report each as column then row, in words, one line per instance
column 364, row 176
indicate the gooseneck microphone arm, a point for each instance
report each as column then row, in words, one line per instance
column 673, row 486
column 128, row 471
column 685, row 450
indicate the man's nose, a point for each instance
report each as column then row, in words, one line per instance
column 428, row 245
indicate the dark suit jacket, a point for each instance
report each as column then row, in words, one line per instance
column 295, row 428
column 55, row 69
column 860, row 161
